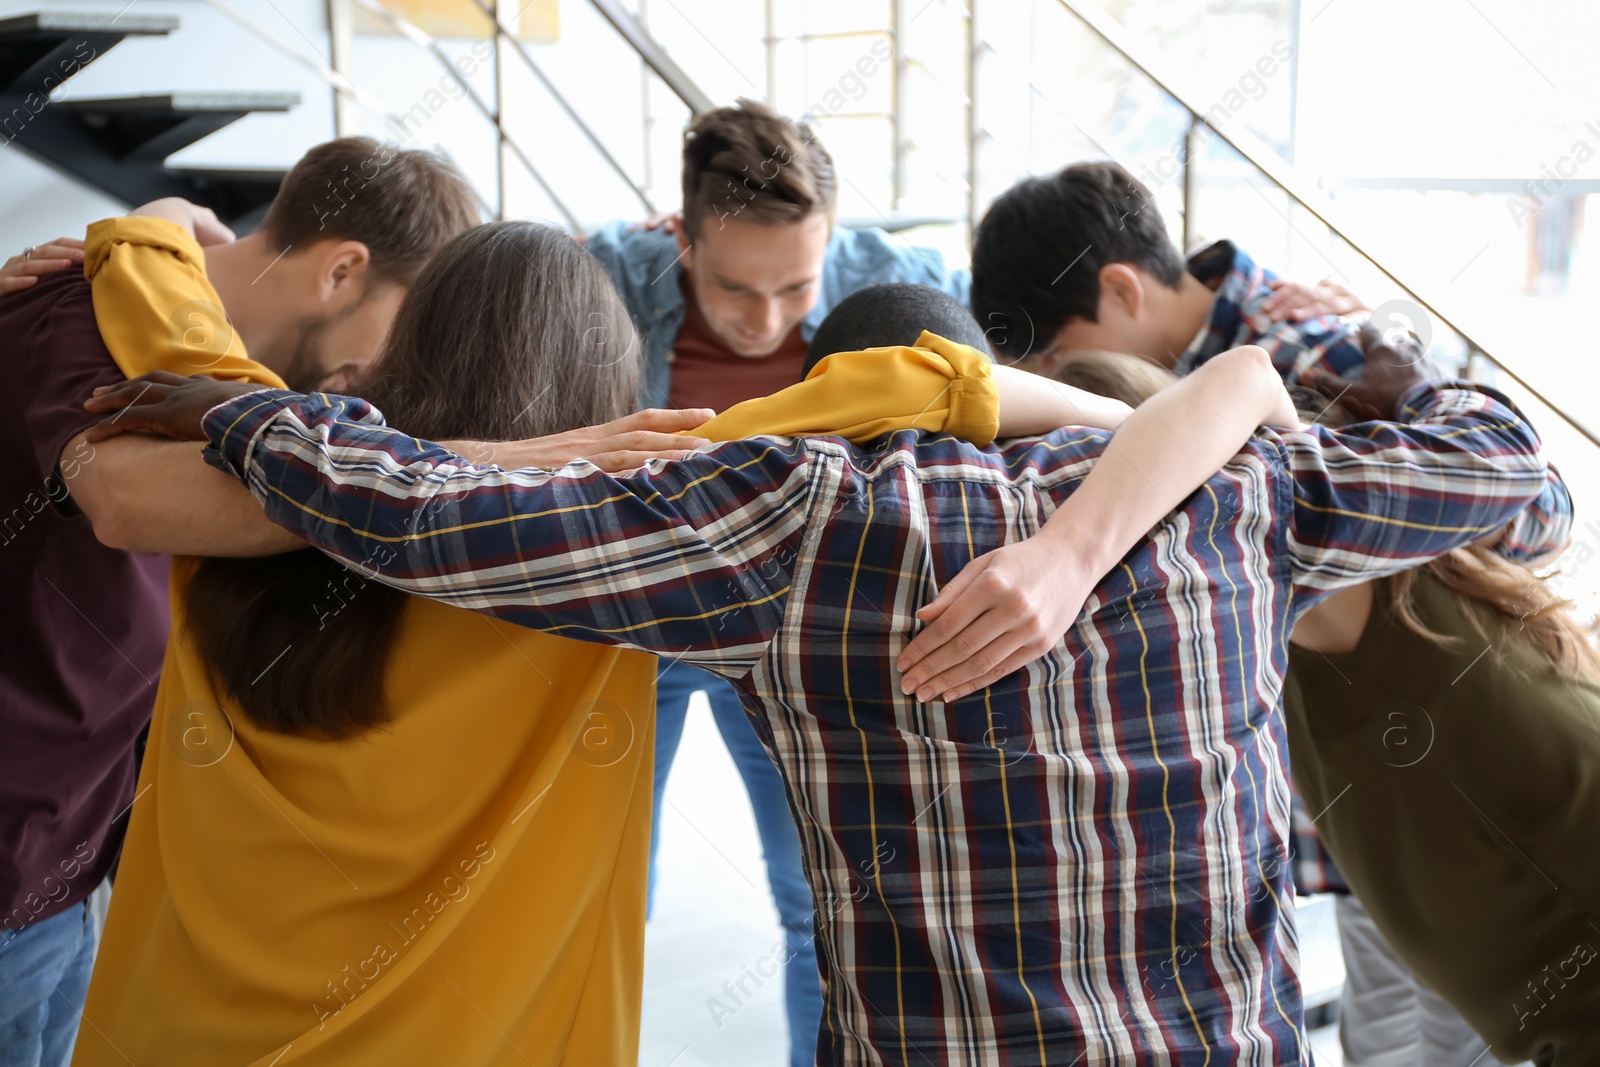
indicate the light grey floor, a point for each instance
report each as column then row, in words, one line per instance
column 714, row 919
column 713, row 916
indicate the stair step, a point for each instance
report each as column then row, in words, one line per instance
column 239, row 195
column 120, row 144
column 42, row 49
column 197, row 102
column 154, row 127
column 87, row 22
column 233, row 174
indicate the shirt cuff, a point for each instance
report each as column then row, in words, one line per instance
column 974, row 398
column 103, row 237
column 232, row 427
column 1414, row 402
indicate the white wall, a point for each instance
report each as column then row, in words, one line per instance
column 208, row 51
column 40, row 203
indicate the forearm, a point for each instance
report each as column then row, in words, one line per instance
column 1032, row 404
column 940, row 388
column 1164, row 451
column 174, row 209
column 1386, row 496
column 148, row 495
column 576, row 553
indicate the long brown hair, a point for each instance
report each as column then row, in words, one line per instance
column 512, row 331
column 1475, row 573
column 1523, row 602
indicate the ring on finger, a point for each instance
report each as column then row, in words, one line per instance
column 27, row 253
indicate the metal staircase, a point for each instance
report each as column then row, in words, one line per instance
column 121, row 144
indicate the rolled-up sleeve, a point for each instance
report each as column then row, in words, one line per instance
column 938, row 386
column 1377, row 498
column 155, row 306
column 1543, row 529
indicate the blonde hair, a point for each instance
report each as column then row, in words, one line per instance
column 1476, row 573
column 1121, row 377
column 1532, row 612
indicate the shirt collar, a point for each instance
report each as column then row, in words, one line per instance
column 1227, row 271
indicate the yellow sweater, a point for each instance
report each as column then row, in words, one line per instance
column 465, row 884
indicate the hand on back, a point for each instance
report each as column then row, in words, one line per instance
column 162, row 404
column 22, row 271
column 1392, row 369
column 1004, row 610
column 1296, row 301
column 167, row 405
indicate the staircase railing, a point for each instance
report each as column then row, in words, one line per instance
column 655, row 57
column 1293, row 184
column 417, row 36
column 636, row 37
column 510, row 40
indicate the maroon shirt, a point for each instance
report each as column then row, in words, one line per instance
column 706, row 373
column 83, row 627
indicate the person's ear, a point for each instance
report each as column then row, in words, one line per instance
column 1049, row 360
column 342, row 275
column 1121, row 290
column 685, row 248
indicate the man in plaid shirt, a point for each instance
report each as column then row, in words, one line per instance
column 1080, row 261
column 1239, row 316
column 1082, row 863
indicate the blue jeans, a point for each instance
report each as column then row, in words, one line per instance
column 780, row 844
column 44, row 977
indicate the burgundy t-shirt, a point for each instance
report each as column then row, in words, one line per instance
column 83, row 627
column 706, row 373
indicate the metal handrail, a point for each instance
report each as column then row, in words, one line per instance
column 648, row 50
column 655, row 57
column 328, row 75
column 561, row 102
column 417, row 36
column 1286, row 178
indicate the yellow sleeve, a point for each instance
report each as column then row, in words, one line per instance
column 938, row 386
column 155, row 306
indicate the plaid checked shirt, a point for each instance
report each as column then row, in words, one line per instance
column 1332, row 344
column 1327, row 342
column 1084, row 863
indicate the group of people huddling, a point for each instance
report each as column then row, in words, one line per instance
column 353, row 608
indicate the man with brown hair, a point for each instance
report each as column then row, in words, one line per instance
column 312, row 294
column 727, row 298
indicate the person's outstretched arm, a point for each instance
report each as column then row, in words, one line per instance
column 157, row 311
column 1542, row 531
column 937, row 386
column 1010, row 606
column 1460, row 462
column 690, row 559
column 143, row 494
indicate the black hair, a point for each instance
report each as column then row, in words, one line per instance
column 893, row 313
column 1037, row 257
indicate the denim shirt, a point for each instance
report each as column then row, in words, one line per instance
column 645, row 266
